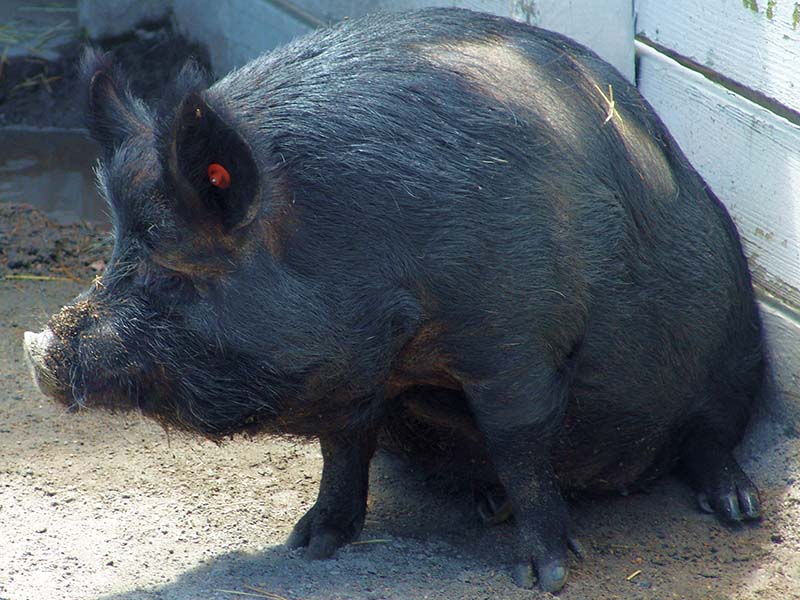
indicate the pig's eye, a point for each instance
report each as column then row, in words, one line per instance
column 163, row 283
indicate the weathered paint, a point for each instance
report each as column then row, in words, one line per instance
column 764, row 235
column 760, row 51
column 751, row 4
column 771, row 9
column 528, row 9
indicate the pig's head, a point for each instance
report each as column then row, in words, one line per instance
column 195, row 321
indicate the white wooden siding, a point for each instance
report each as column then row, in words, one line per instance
column 755, row 43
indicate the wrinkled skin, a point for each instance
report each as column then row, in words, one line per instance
column 436, row 231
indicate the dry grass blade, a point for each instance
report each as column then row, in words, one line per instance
column 253, row 593
column 634, row 574
column 34, row 81
column 360, row 542
column 55, row 8
column 267, row 594
column 46, row 81
column 70, row 275
column 40, row 38
column 24, row 277
column 9, row 34
column 14, row 33
column 27, row 83
column 611, row 105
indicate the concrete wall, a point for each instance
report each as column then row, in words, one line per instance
column 235, row 31
column 114, row 17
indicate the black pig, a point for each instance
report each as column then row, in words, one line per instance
column 433, row 200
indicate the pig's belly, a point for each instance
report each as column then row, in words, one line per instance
column 597, row 451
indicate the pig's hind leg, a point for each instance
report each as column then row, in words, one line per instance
column 719, row 482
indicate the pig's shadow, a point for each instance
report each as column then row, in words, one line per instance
column 423, row 540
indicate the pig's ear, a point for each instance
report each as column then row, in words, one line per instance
column 213, row 166
column 191, row 78
column 113, row 113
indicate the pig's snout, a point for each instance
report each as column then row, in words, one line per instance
column 37, row 346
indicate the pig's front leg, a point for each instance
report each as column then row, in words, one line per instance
column 338, row 514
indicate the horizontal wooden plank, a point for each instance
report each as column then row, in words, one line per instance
column 755, row 43
column 749, row 156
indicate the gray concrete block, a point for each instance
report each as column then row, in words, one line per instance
column 236, row 31
column 108, row 18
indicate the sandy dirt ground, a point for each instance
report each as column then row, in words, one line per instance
column 96, row 506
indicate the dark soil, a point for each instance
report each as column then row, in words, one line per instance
column 33, row 245
column 43, row 93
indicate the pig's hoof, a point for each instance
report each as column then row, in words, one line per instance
column 493, row 505
column 550, row 569
column 548, row 549
column 738, row 501
column 552, row 575
column 723, row 488
column 320, row 539
column 322, row 544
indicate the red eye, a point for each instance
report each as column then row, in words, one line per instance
column 218, row 176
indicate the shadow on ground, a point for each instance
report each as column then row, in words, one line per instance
column 423, row 540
